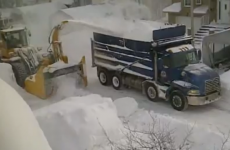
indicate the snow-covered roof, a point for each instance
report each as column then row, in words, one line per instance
column 175, row 8
column 201, row 9
column 14, row 29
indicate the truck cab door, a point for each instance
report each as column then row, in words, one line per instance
column 165, row 73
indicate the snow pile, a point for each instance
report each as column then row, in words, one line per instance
column 79, row 123
column 117, row 9
column 7, row 74
column 225, row 82
column 126, row 106
column 201, row 137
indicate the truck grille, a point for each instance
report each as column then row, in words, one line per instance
column 212, row 85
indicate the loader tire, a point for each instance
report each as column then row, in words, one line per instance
column 20, row 73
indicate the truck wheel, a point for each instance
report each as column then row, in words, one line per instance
column 151, row 92
column 20, row 73
column 104, row 76
column 116, row 81
column 178, row 101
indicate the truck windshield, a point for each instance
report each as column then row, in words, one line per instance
column 184, row 58
column 16, row 39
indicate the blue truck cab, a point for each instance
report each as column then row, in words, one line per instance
column 167, row 67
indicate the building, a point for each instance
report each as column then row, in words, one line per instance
column 205, row 11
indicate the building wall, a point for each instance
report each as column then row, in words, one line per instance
column 186, row 11
column 156, row 7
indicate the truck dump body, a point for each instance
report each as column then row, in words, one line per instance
column 118, row 53
column 130, row 56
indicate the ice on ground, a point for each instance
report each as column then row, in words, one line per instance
column 79, row 123
column 126, row 106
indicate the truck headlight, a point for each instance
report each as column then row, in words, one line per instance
column 193, row 92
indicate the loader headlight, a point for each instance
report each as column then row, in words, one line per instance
column 193, row 92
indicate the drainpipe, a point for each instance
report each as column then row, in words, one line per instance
column 192, row 19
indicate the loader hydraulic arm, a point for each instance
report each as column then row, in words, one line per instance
column 56, row 44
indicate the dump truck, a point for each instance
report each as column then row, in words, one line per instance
column 166, row 67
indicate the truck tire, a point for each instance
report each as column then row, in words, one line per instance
column 178, row 101
column 104, row 76
column 20, row 73
column 116, row 81
column 151, row 92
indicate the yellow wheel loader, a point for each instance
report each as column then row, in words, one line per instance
column 34, row 71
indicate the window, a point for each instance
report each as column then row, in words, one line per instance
column 187, row 3
column 184, row 58
column 198, row 2
column 16, row 39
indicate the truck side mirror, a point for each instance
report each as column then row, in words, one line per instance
column 199, row 54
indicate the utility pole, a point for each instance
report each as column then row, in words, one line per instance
column 192, row 18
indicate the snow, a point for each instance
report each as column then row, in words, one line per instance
column 175, row 8
column 37, row 19
column 126, row 106
column 57, row 66
column 201, row 9
column 70, row 98
column 79, row 123
column 225, row 82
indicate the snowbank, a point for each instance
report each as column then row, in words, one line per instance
column 7, row 74
column 19, row 128
column 225, row 82
column 202, row 137
column 74, row 123
column 121, row 9
column 126, row 106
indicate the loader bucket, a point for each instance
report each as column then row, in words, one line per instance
column 40, row 84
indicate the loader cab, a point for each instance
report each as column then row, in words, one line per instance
column 15, row 38
column 12, row 38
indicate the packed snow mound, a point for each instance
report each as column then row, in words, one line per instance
column 200, row 137
column 80, row 123
column 121, row 9
column 7, row 74
column 225, row 82
column 126, row 106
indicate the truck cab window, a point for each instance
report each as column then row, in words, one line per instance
column 184, row 58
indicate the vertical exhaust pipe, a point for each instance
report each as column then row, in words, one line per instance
column 19, row 129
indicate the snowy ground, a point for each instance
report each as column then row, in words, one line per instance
column 208, row 119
